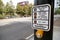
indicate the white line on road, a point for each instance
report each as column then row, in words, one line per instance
column 29, row 36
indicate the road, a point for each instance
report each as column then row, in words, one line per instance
column 15, row 31
column 20, row 30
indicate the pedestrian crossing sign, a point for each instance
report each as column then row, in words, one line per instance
column 41, row 16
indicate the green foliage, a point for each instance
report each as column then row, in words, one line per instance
column 19, row 10
column 23, row 10
column 30, row 8
column 1, row 7
column 57, row 11
column 1, row 16
column 9, row 8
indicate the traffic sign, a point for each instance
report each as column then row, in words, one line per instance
column 41, row 17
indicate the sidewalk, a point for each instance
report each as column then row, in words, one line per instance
column 9, row 21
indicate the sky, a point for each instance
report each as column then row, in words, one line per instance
column 16, row 1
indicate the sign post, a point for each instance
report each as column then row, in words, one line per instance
column 42, row 19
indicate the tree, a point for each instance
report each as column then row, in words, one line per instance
column 57, row 11
column 24, row 10
column 19, row 10
column 1, row 7
column 9, row 8
column 30, row 8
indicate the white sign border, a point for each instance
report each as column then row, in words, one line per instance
column 48, row 15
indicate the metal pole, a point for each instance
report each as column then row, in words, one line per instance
column 48, row 35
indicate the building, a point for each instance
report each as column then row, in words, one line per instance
column 57, row 3
column 23, row 3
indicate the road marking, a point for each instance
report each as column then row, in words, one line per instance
column 29, row 36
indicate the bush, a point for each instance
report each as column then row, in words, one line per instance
column 57, row 11
column 1, row 16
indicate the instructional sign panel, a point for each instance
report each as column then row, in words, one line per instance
column 41, row 16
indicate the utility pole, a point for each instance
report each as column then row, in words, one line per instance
column 47, row 35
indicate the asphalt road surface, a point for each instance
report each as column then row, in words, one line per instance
column 21, row 30
column 16, row 31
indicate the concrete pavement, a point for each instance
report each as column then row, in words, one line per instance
column 9, row 21
column 57, row 23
